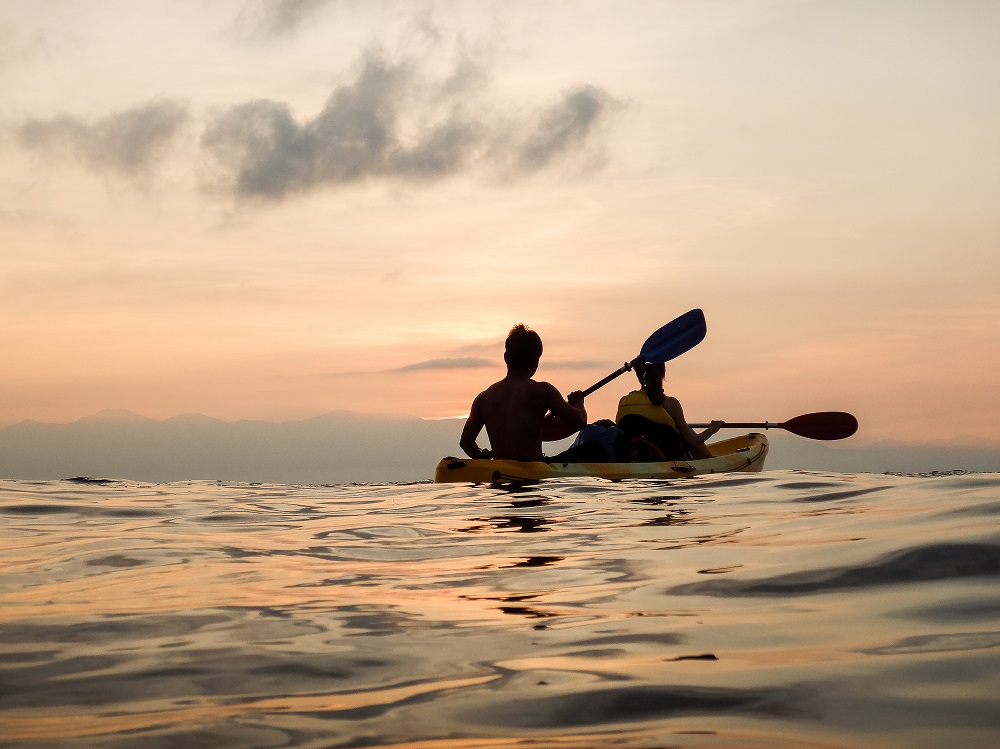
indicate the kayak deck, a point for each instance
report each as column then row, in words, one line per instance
column 738, row 454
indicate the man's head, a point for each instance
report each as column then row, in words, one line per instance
column 523, row 349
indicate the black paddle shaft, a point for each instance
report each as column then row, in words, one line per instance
column 617, row 373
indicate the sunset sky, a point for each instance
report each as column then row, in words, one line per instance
column 272, row 209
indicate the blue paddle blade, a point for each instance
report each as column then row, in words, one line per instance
column 674, row 338
column 667, row 343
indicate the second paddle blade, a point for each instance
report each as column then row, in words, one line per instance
column 823, row 425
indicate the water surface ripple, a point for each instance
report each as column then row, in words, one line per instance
column 779, row 609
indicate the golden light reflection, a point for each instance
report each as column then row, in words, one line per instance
column 156, row 713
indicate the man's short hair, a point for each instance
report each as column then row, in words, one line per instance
column 523, row 348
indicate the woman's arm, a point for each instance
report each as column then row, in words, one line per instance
column 713, row 427
column 694, row 441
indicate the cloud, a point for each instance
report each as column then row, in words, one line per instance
column 577, row 364
column 565, row 126
column 467, row 362
column 391, row 123
column 278, row 18
column 125, row 143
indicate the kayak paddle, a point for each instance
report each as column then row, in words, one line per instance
column 669, row 342
column 824, row 425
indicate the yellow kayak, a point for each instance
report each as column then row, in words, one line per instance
column 744, row 454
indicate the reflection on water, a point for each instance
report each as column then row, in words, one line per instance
column 777, row 609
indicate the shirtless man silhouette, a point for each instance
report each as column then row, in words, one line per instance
column 513, row 409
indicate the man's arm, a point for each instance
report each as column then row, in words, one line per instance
column 572, row 413
column 473, row 426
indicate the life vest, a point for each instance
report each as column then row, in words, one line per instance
column 643, row 422
column 637, row 403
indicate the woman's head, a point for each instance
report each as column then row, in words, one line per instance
column 650, row 376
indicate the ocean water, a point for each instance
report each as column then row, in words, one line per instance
column 781, row 609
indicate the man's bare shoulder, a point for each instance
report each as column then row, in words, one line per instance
column 542, row 386
column 499, row 388
column 524, row 384
column 537, row 389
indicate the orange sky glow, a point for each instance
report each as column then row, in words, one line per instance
column 263, row 209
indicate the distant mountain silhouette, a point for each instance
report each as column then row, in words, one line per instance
column 115, row 416
column 791, row 452
column 344, row 447
column 332, row 448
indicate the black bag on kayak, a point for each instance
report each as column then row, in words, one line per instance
column 600, row 442
column 640, row 432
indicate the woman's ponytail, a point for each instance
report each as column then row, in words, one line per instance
column 650, row 376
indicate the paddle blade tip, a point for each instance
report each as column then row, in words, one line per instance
column 675, row 338
column 824, row 425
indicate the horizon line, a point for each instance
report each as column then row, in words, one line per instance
column 125, row 415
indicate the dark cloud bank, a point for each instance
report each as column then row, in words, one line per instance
column 391, row 123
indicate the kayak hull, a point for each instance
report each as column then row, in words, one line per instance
column 740, row 454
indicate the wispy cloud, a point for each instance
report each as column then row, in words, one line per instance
column 125, row 143
column 579, row 364
column 475, row 362
column 278, row 18
column 466, row 362
column 565, row 126
column 394, row 123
